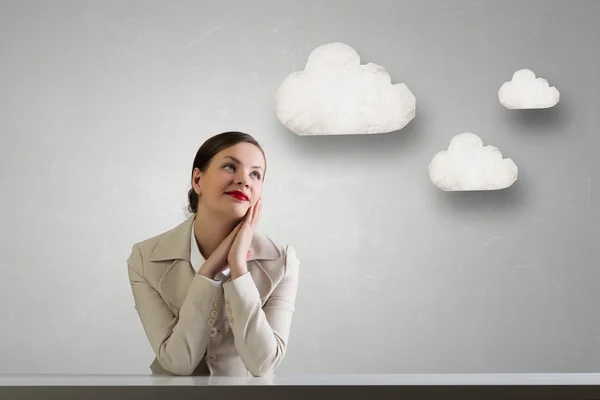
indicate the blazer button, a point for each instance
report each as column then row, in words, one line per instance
column 211, row 321
column 229, row 310
column 213, row 332
column 230, row 320
column 217, row 304
column 214, row 313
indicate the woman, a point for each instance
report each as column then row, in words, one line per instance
column 215, row 296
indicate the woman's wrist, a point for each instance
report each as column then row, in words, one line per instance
column 238, row 270
column 206, row 271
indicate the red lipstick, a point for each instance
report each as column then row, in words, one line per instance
column 238, row 195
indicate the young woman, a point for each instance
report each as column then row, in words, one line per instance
column 216, row 297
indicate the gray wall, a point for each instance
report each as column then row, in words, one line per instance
column 103, row 105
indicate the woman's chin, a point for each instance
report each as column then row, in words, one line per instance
column 237, row 210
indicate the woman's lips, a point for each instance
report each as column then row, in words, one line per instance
column 237, row 195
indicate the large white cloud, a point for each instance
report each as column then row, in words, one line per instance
column 335, row 94
column 525, row 91
column 469, row 166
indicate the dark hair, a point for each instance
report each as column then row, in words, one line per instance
column 209, row 149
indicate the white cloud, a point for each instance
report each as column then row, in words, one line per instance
column 525, row 91
column 467, row 165
column 335, row 94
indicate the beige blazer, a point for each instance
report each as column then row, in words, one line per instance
column 197, row 326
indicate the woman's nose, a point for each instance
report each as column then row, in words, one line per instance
column 242, row 180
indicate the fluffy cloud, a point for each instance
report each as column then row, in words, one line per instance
column 468, row 166
column 335, row 94
column 525, row 91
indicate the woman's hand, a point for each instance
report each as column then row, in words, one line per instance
column 217, row 261
column 240, row 249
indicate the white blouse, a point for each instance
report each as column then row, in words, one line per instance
column 196, row 259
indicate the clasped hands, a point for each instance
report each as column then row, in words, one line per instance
column 234, row 250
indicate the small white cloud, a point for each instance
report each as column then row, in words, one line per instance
column 525, row 91
column 335, row 94
column 469, row 166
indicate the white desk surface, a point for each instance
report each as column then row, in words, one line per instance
column 304, row 380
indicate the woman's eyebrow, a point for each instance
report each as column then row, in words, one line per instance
column 238, row 161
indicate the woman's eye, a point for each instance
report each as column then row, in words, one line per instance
column 232, row 167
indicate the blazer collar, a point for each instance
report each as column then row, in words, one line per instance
column 175, row 245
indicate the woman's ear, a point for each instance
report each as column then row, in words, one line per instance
column 196, row 181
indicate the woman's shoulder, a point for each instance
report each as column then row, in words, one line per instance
column 167, row 245
column 265, row 248
column 273, row 253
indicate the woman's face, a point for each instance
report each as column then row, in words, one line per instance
column 233, row 181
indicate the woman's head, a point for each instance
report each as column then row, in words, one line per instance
column 226, row 163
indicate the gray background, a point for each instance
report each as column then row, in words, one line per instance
column 103, row 105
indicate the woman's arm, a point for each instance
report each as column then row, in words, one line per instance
column 261, row 334
column 179, row 345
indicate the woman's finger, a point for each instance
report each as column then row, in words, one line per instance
column 254, row 212
column 257, row 212
column 249, row 215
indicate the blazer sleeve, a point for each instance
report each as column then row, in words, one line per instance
column 261, row 334
column 179, row 343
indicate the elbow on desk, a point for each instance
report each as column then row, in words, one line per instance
column 267, row 366
column 176, row 367
column 260, row 372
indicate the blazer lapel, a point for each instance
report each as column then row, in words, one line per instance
column 261, row 267
column 174, row 248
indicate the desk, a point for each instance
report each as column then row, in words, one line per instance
column 292, row 387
